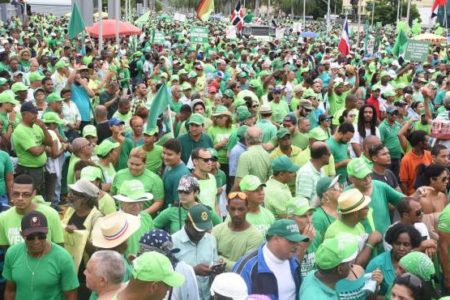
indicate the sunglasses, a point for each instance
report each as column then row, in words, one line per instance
column 39, row 236
column 239, row 195
column 206, row 160
column 419, row 213
column 255, row 106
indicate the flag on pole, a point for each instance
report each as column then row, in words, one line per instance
column 204, row 9
column 76, row 23
column 237, row 17
column 436, row 5
column 162, row 100
column 344, row 43
column 400, row 41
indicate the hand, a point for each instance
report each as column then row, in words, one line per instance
column 12, row 116
column 310, row 232
column 423, row 191
column 377, row 275
column 219, row 267
column 202, row 270
column 39, row 123
column 71, row 228
column 374, row 238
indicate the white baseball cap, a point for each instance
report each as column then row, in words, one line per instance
column 229, row 285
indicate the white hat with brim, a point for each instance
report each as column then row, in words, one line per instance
column 351, row 201
column 229, row 285
column 112, row 230
column 142, row 198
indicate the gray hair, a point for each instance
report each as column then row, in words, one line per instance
column 110, row 265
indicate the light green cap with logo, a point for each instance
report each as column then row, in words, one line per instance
column 35, row 76
column 358, row 168
column 298, row 206
column 156, row 267
column 52, row 117
column 250, row 183
column 19, row 87
column 91, row 173
column 287, row 229
column 105, row 147
column 89, row 130
column 333, row 252
column 196, row 119
column 53, row 97
column 8, row 97
column 284, row 164
column 318, row 134
column 133, row 191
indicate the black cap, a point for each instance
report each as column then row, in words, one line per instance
column 34, row 222
column 28, row 107
column 324, row 117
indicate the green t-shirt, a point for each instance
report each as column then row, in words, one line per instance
column 127, row 146
column 133, row 241
column 47, row 277
column 208, row 191
column 313, row 288
column 308, row 264
column 23, row 139
column 6, row 167
column 261, row 220
column 338, row 229
column 152, row 184
column 279, row 110
column 388, row 135
column 444, row 225
column 340, row 153
column 221, row 178
column 321, row 220
column 337, row 102
column 217, row 135
column 171, row 179
column 106, row 204
column 154, row 159
column 169, row 219
column 300, row 140
column 10, row 226
column 70, row 170
column 231, row 245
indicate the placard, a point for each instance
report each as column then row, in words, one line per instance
column 416, row 51
column 199, row 34
column 297, row 27
column 279, row 33
column 179, row 17
column 230, row 32
column 159, row 38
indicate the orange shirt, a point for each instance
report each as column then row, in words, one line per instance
column 408, row 168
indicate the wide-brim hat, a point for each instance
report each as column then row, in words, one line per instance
column 351, row 201
column 112, row 230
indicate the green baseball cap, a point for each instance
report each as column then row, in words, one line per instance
column 241, row 131
column 196, row 119
column 132, row 191
column 282, row 132
column 35, row 76
column 91, row 173
column 186, row 86
column 89, row 130
column 154, row 267
column 254, row 83
column 221, row 110
column 19, row 87
column 318, row 134
column 324, row 184
column 287, row 229
column 61, row 64
column 151, row 132
column 53, row 97
column 298, row 206
column 200, row 216
column 243, row 75
column 245, row 115
column 308, row 93
column 250, row 183
column 228, row 93
column 52, row 117
column 333, row 252
column 105, row 147
column 284, row 164
column 3, row 80
column 8, row 97
column 358, row 168
column 192, row 74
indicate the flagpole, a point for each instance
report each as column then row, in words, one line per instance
column 398, row 10
column 100, row 27
column 117, row 22
column 170, row 120
column 373, row 11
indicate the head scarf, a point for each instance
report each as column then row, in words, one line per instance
column 419, row 264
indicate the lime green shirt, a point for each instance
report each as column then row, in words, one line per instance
column 154, row 159
column 217, row 135
column 23, row 139
column 106, row 204
column 277, row 196
column 133, row 241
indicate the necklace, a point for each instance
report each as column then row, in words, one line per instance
column 33, row 271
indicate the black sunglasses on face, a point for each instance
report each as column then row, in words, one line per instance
column 39, row 236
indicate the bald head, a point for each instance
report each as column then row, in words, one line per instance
column 369, row 142
column 78, row 144
column 318, row 150
column 101, row 112
column 253, row 136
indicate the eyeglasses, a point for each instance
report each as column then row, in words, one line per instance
column 206, row 160
column 39, row 236
column 24, row 194
column 419, row 213
column 255, row 106
column 184, row 192
column 239, row 195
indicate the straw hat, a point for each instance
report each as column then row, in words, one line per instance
column 112, row 230
column 352, row 200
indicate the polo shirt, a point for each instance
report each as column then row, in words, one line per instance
column 306, row 181
column 269, row 131
column 255, row 161
column 171, row 179
column 188, row 144
column 384, row 263
column 203, row 252
column 24, row 138
column 313, row 288
column 388, row 135
column 277, row 196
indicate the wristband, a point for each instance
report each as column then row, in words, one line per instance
column 369, row 246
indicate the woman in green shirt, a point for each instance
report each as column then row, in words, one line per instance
column 107, row 153
column 327, row 191
column 172, row 218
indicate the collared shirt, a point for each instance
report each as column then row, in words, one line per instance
column 136, row 103
column 255, row 161
column 233, row 158
column 307, row 178
column 384, row 263
column 204, row 252
column 277, row 195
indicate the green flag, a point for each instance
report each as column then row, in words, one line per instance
column 161, row 101
column 76, row 23
column 400, row 43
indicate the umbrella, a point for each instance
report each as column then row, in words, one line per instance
column 429, row 37
column 308, row 34
column 109, row 29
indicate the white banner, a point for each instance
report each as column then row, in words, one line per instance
column 179, row 17
column 279, row 33
column 297, row 27
column 230, row 32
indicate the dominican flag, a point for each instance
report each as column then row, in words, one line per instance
column 435, row 7
column 344, row 43
column 237, row 17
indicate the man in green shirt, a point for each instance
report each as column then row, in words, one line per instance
column 444, row 244
column 195, row 138
column 29, row 140
column 299, row 139
column 203, row 162
column 338, row 145
column 389, row 129
column 153, row 151
column 126, row 144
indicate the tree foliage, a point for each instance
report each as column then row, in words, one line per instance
column 386, row 11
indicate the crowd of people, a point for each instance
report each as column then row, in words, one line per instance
column 279, row 170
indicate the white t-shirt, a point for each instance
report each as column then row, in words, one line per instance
column 357, row 139
column 282, row 271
